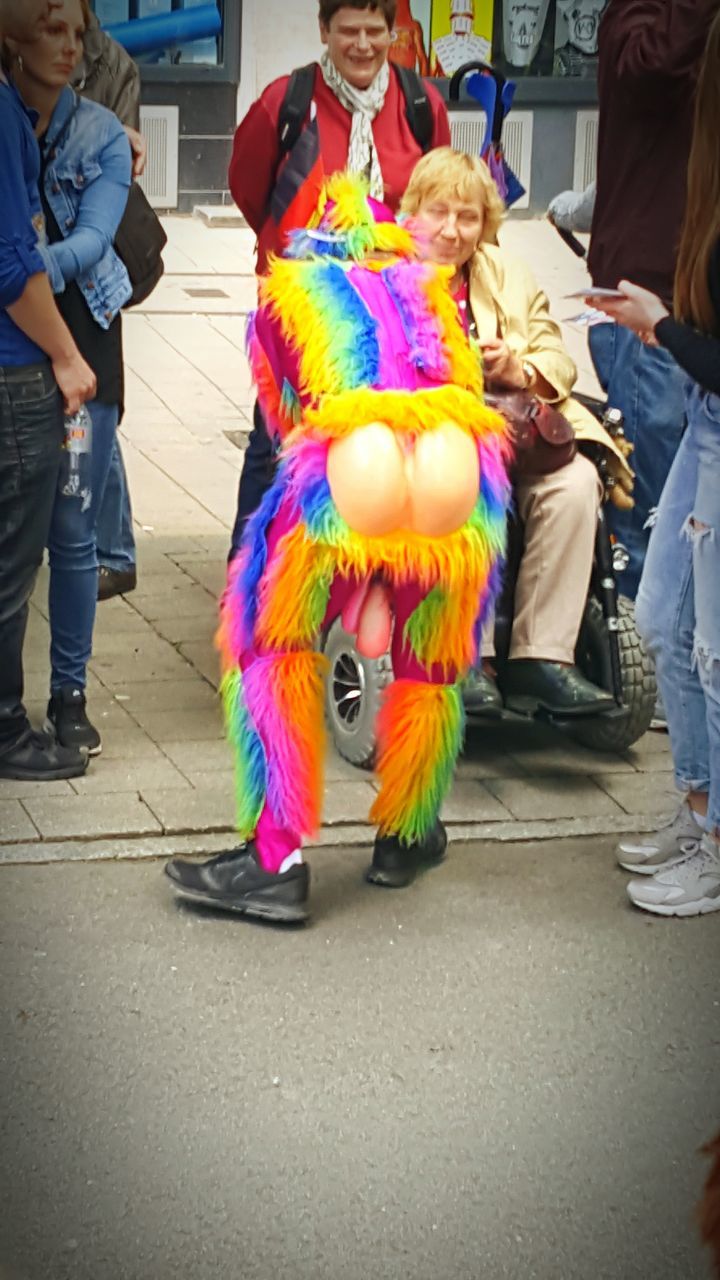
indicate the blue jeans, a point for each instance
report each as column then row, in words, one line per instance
column 256, row 477
column 73, row 562
column 649, row 387
column 114, row 531
column 678, row 604
column 31, row 436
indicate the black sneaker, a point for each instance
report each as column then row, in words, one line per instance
column 395, row 865
column 235, row 881
column 66, row 718
column 37, row 758
column 115, row 582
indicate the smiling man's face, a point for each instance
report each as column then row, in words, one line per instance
column 358, row 41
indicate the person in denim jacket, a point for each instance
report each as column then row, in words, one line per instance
column 85, row 179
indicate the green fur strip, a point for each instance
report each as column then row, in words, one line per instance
column 424, row 622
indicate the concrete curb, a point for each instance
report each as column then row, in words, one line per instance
column 144, row 848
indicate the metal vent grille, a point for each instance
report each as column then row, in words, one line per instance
column 467, row 132
column 161, row 129
column 586, row 141
column 517, row 141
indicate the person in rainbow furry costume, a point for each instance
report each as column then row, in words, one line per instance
column 388, row 508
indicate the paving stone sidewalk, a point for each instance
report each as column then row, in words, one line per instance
column 164, row 781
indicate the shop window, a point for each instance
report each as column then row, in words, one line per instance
column 206, row 52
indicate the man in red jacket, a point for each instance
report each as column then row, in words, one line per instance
column 356, row 119
column 649, row 54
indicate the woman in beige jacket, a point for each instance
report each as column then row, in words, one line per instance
column 454, row 201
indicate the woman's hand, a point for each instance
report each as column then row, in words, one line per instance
column 640, row 311
column 138, row 146
column 502, row 367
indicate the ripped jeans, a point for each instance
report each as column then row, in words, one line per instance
column 678, row 603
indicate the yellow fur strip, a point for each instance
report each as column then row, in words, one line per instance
column 409, row 412
column 464, row 363
column 290, row 303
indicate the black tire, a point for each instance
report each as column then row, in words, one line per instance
column 352, row 698
column 638, row 680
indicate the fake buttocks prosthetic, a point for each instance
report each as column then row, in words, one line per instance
column 384, row 482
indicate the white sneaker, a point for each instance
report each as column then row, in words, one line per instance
column 690, row 888
column 659, row 850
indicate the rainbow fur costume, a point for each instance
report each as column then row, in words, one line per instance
column 341, row 341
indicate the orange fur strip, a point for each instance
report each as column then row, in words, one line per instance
column 420, row 729
column 294, row 591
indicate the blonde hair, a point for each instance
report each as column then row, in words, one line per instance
column 445, row 172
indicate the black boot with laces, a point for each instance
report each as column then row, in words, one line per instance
column 67, row 719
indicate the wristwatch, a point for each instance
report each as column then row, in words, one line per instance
column 529, row 371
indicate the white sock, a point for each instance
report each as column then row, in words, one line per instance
column 293, row 860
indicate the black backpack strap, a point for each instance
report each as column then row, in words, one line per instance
column 417, row 107
column 295, row 106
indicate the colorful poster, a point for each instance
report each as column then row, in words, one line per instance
column 435, row 37
column 460, row 31
column 576, row 37
column 411, row 43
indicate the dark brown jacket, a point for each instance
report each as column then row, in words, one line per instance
column 108, row 75
column 649, row 54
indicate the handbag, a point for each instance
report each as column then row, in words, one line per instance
column 543, row 440
column 139, row 242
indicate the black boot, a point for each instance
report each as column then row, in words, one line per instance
column 395, row 865
column 67, row 718
column 115, row 582
column 37, row 758
column 480, row 694
column 531, row 684
column 235, row 881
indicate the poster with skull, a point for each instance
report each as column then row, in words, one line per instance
column 523, row 27
column 577, row 24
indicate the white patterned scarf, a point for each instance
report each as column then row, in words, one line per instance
column 363, row 105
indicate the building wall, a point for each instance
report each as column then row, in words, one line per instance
column 276, row 36
column 207, row 125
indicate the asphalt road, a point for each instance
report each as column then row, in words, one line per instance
column 501, row 1072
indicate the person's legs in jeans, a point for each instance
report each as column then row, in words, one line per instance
column 256, row 477
column 73, row 563
column 115, row 542
column 683, row 569
column 31, row 436
column 114, row 531
column 665, row 616
column 647, row 385
column 703, row 531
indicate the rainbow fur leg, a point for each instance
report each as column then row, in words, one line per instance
column 420, row 733
column 274, row 715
